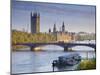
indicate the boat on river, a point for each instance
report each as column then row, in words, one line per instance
column 68, row 60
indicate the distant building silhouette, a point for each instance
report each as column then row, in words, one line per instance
column 63, row 27
column 35, row 22
column 49, row 31
column 54, row 28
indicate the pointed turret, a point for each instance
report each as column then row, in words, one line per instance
column 31, row 14
column 54, row 29
column 63, row 27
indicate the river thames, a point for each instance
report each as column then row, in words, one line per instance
column 41, row 61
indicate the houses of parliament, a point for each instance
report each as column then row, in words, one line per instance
column 60, row 35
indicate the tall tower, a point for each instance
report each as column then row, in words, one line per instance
column 54, row 29
column 63, row 27
column 35, row 22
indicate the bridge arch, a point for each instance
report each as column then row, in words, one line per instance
column 82, row 48
column 20, row 47
column 50, row 47
column 92, row 46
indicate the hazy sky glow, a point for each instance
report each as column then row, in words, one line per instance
column 76, row 17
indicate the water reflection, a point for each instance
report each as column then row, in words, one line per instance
column 66, row 68
column 26, row 62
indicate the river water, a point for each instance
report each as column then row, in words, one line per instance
column 41, row 61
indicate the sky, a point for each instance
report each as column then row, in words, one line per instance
column 76, row 18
